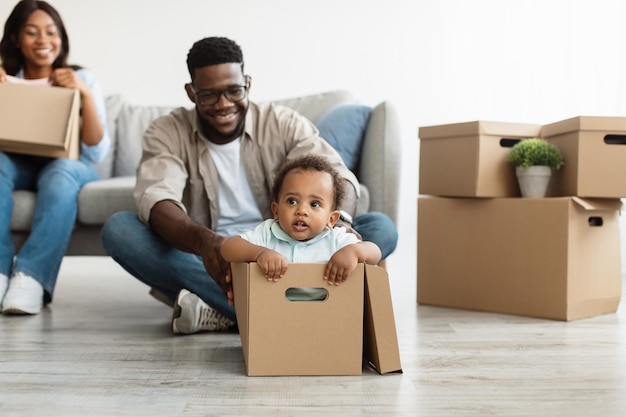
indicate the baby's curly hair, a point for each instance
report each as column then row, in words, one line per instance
column 310, row 162
column 213, row 51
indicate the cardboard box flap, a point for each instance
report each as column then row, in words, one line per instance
column 380, row 340
column 240, row 271
column 504, row 129
column 585, row 123
column 598, row 203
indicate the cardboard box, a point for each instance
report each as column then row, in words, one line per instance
column 283, row 337
column 594, row 150
column 554, row 258
column 39, row 120
column 470, row 159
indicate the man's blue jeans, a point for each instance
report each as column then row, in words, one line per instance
column 148, row 258
column 57, row 183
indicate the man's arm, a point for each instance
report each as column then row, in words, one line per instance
column 349, row 206
column 349, row 199
column 174, row 226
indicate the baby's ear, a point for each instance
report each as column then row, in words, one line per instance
column 334, row 218
column 275, row 209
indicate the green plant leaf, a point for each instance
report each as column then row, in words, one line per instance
column 535, row 151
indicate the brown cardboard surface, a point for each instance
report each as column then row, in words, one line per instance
column 554, row 258
column 470, row 159
column 380, row 340
column 39, row 120
column 282, row 337
column 591, row 164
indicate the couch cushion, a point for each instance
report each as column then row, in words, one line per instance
column 315, row 105
column 113, row 105
column 131, row 125
column 98, row 200
column 344, row 128
column 134, row 119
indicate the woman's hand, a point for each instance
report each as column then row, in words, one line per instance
column 3, row 75
column 66, row 77
column 92, row 130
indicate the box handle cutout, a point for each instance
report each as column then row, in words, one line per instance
column 595, row 221
column 306, row 294
column 508, row 142
column 615, row 139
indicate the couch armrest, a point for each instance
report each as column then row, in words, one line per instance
column 379, row 168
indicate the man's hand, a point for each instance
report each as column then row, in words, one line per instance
column 174, row 226
column 217, row 267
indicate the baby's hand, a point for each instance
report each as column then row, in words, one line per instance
column 340, row 266
column 273, row 264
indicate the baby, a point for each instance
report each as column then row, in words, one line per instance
column 305, row 199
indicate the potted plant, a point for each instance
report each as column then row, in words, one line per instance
column 534, row 159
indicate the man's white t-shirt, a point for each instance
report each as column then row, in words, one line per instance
column 238, row 209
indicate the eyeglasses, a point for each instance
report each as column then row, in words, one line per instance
column 233, row 94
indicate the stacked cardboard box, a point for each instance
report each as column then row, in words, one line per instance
column 483, row 247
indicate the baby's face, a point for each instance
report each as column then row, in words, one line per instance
column 305, row 203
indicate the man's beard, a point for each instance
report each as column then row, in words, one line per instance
column 218, row 137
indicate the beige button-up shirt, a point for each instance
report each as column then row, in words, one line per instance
column 176, row 164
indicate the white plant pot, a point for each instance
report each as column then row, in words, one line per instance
column 533, row 181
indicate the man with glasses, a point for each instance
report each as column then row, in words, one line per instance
column 206, row 174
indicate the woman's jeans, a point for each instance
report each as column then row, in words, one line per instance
column 57, row 183
column 148, row 258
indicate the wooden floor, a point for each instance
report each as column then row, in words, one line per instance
column 104, row 348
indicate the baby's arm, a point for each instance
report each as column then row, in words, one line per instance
column 344, row 261
column 272, row 263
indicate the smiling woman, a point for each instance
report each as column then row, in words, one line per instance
column 34, row 34
column 34, row 49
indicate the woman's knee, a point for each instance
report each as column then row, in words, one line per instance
column 67, row 172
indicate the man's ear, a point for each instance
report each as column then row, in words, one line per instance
column 248, row 82
column 275, row 209
column 334, row 218
column 190, row 92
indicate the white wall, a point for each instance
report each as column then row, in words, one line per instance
column 443, row 61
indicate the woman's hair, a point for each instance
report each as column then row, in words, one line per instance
column 310, row 162
column 12, row 58
column 213, row 51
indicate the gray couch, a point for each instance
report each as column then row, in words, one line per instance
column 378, row 171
